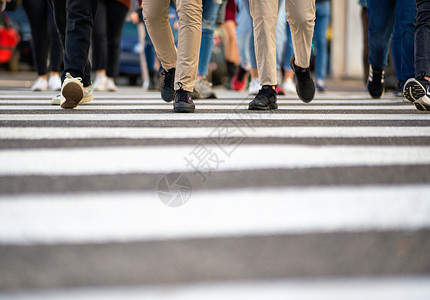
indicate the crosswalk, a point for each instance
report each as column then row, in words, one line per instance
column 122, row 198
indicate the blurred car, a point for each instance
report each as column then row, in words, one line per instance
column 9, row 39
column 129, row 59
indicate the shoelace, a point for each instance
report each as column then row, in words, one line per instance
column 182, row 94
column 71, row 77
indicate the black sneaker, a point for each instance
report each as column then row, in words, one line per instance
column 417, row 91
column 375, row 83
column 183, row 102
column 168, row 84
column 265, row 99
column 305, row 86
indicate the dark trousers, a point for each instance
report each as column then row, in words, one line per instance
column 75, row 22
column 108, row 25
column 41, row 21
column 422, row 38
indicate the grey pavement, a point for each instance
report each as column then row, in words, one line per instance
column 327, row 200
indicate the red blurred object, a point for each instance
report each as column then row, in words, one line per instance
column 280, row 91
column 9, row 38
column 240, row 79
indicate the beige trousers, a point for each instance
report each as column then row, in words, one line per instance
column 300, row 16
column 185, row 59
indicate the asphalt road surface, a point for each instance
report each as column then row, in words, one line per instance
column 121, row 198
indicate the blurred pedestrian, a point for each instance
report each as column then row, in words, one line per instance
column 386, row 17
column 288, row 80
column 301, row 17
column 322, row 21
column 231, row 51
column 106, row 41
column 75, row 20
column 202, row 87
column 417, row 89
column 41, row 21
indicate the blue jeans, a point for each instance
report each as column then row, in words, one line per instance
column 209, row 15
column 281, row 26
column 422, row 38
column 245, row 34
column 320, row 38
column 150, row 54
column 245, row 30
column 384, row 15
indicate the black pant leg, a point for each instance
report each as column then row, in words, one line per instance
column 422, row 38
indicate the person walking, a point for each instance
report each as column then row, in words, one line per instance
column 180, row 65
column 202, row 88
column 106, row 41
column 386, row 17
column 75, row 20
column 301, row 17
column 417, row 89
column 41, row 21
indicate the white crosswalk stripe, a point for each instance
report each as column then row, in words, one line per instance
column 336, row 190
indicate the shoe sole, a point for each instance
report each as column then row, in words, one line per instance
column 73, row 93
column 413, row 90
column 421, row 105
column 268, row 107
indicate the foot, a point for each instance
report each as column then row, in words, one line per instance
column 203, row 89
column 289, row 86
column 167, row 85
column 72, row 91
column 417, row 91
column 320, row 84
column 88, row 96
column 100, row 82
column 279, row 91
column 305, row 86
column 40, row 85
column 183, row 102
column 240, row 79
column 265, row 99
column 54, row 83
column 110, row 85
column 254, row 86
column 375, row 83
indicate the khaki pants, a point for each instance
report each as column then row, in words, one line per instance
column 300, row 16
column 185, row 58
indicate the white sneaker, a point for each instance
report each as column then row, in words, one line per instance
column 54, row 83
column 100, row 82
column 145, row 85
column 88, row 96
column 254, row 86
column 289, row 86
column 41, row 85
column 110, row 85
column 72, row 91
